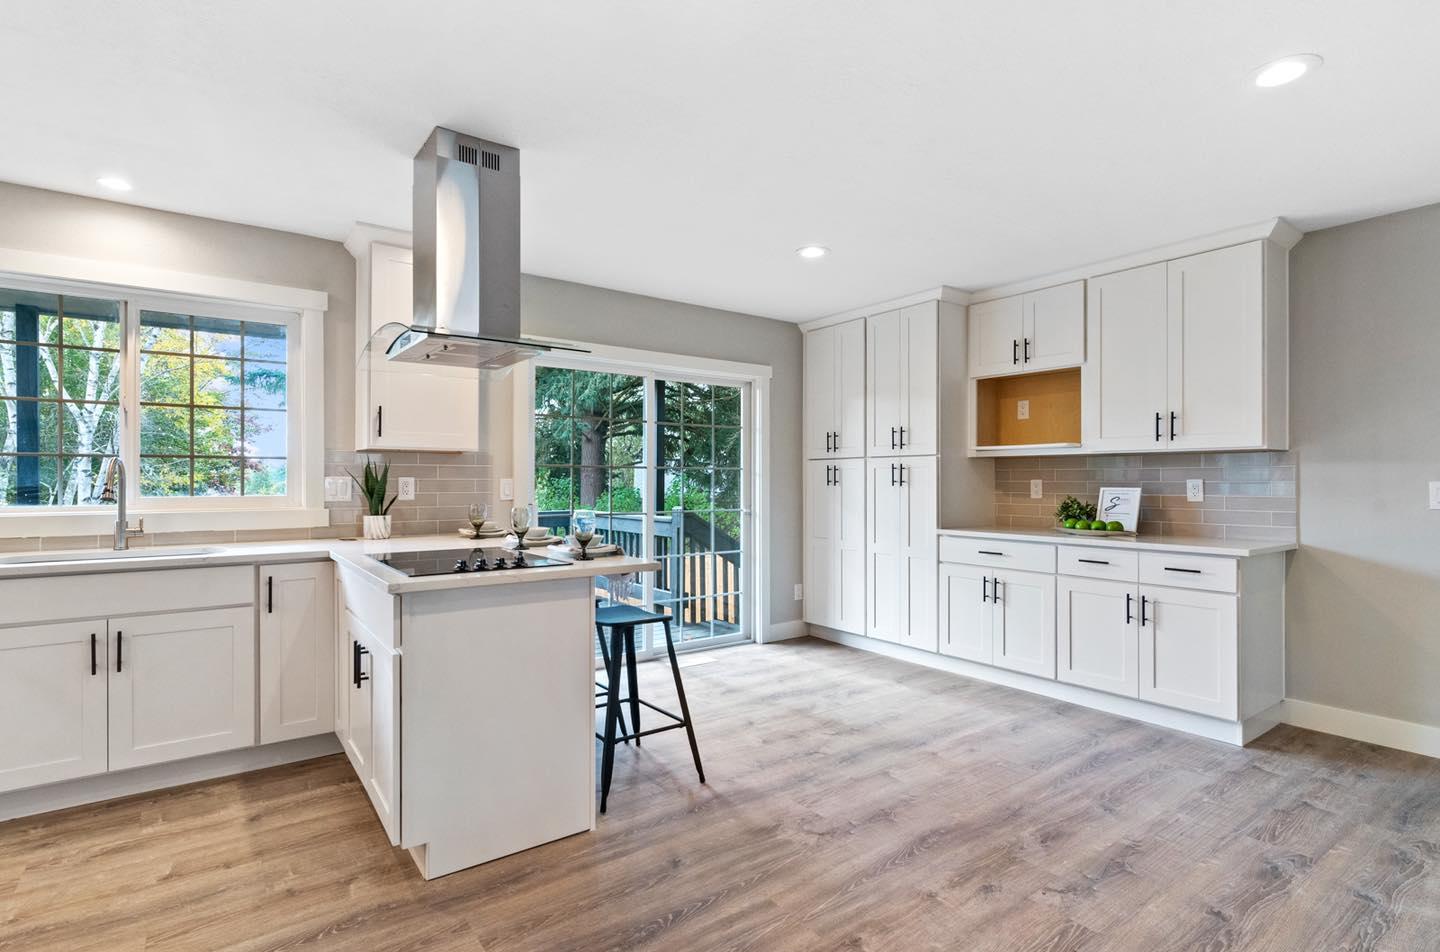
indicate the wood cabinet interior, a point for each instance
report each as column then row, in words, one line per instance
column 1054, row 409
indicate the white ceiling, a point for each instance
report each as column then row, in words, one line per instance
column 685, row 149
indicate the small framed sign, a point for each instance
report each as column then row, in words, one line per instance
column 1120, row 505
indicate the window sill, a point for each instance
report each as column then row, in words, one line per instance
column 90, row 522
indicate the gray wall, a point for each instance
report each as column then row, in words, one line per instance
column 551, row 308
column 1364, row 589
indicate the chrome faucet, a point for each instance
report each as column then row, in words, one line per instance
column 114, row 491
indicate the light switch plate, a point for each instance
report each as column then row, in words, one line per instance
column 1022, row 409
column 1435, row 495
column 407, row 488
column 507, row 489
column 337, row 489
column 799, row 593
column 1194, row 490
column 1037, row 489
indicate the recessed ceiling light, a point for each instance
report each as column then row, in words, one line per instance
column 812, row 252
column 1287, row 69
column 114, row 183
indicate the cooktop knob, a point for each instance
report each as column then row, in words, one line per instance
column 461, row 566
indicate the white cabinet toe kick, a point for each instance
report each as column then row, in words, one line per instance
column 1190, row 641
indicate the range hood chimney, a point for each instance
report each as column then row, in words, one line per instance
column 467, row 257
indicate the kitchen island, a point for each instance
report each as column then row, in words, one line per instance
column 466, row 702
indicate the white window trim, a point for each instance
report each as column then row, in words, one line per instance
column 757, row 491
column 140, row 285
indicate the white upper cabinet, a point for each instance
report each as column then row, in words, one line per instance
column 1025, row 333
column 404, row 406
column 835, row 391
column 1123, row 385
column 1189, row 354
column 902, row 381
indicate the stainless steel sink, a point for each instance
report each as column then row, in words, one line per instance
column 101, row 555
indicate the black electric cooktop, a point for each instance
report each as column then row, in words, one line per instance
column 455, row 561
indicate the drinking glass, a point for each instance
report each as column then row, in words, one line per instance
column 584, row 524
column 479, row 512
column 520, row 520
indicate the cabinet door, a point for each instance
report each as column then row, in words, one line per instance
column 919, row 526
column 850, row 389
column 964, row 607
column 848, row 594
column 373, row 744
column 884, row 381
column 820, row 408
column 920, row 387
column 297, row 660
column 1054, row 327
column 821, row 544
column 1217, row 349
column 358, row 732
column 1189, row 648
column 52, row 703
column 181, row 685
column 1097, row 634
column 884, row 551
column 996, row 328
column 1124, row 380
column 1023, row 622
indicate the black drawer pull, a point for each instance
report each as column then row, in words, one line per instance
column 1186, row 571
column 985, row 552
column 1093, row 561
column 119, row 652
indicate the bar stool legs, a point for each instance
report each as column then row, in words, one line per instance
column 684, row 706
column 612, row 712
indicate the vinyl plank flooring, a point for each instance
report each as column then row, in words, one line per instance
column 855, row 803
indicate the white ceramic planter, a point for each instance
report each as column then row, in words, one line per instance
column 377, row 527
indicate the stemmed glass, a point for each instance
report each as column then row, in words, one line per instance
column 479, row 512
column 520, row 522
column 584, row 531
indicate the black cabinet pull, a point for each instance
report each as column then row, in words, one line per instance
column 1143, row 602
column 355, row 671
column 902, row 437
column 892, row 437
column 1158, row 418
column 1129, row 614
column 986, row 552
column 892, row 474
column 94, row 670
column 1014, row 352
column 984, row 589
column 1093, row 561
column 995, row 590
column 1027, row 350
column 837, row 475
column 835, row 446
column 1169, row 568
column 902, row 474
column 119, row 651
column 269, row 594
column 379, row 421
column 1172, row 424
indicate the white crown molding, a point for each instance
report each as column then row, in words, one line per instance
column 363, row 234
column 943, row 293
column 1277, row 230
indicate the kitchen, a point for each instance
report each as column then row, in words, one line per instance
column 257, row 696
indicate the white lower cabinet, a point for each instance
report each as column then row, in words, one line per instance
column 998, row 616
column 900, row 546
column 965, row 612
column 835, row 544
column 371, row 734
column 1097, row 634
column 53, row 689
column 297, row 650
column 181, row 684
column 1189, row 644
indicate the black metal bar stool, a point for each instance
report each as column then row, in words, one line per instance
column 622, row 620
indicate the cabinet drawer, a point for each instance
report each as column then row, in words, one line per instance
column 1205, row 572
column 109, row 594
column 1122, row 565
column 998, row 553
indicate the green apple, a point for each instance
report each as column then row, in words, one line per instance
column 1070, row 523
column 1116, row 526
column 1082, row 523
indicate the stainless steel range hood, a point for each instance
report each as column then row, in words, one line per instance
column 467, row 258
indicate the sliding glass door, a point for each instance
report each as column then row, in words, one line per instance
column 663, row 464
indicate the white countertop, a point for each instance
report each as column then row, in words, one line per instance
column 355, row 553
column 1195, row 546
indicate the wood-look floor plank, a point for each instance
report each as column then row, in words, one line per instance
column 855, row 803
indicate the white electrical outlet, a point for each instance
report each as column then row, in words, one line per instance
column 507, row 489
column 799, row 593
column 1022, row 409
column 1194, row 490
column 407, row 488
column 1037, row 489
column 1435, row 495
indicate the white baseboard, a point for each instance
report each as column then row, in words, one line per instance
column 1370, row 728
column 786, row 630
column 124, row 783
